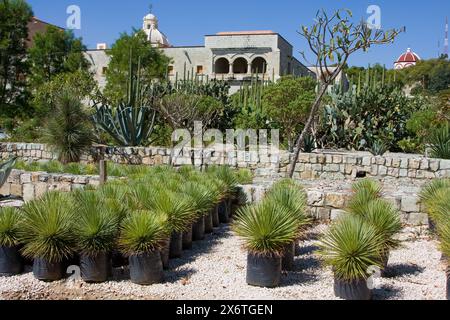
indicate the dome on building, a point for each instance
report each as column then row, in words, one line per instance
column 407, row 59
column 156, row 37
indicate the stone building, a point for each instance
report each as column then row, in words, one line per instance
column 231, row 56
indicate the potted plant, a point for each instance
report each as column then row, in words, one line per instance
column 266, row 229
column 291, row 196
column 142, row 236
column 229, row 179
column 47, row 234
column 11, row 262
column 95, row 231
column 180, row 213
column 350, row 247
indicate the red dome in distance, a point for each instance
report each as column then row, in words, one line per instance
column 408, row 57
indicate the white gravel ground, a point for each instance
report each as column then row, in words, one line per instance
column 216, row 269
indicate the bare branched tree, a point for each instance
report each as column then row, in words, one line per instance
column 332, row 40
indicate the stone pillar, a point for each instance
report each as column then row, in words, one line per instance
column 231, row 73
column 249, row 68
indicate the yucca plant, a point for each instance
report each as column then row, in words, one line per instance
column 444, row 233
column 364, row 191
column 432, row 195
column 68, row 129
column 143, row 235
column 96, row 231
column 288, row 194
column 10, row 260
column 266, row 229
column 350, row 247
column 440, row 142
column 47, row 234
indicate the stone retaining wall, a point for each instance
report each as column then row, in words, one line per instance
column 326, row 198
column 319, row 165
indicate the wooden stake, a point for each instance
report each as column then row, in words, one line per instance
column 103, row 172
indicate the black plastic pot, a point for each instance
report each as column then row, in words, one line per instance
column 263, row 271
column 209, row 227
column 198, row 229
column 224, row 215
column 47, row 271
column 96, row 268
column 11, row 262
column 187, row 239
column 176, row 245
column 146, row 268
column 352, row 290
column 165, row 255
column 215, row 217
column 288, row 258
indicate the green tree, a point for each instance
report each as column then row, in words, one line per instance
column 432, row 75
column 333, row 39
column 132, row 48
column 54, row 52
column 14, row 17
column 288, row 103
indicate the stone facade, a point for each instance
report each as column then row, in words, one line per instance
column 230, row 56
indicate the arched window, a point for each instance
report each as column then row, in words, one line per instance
column 222, row 66
column 240, row 65
column 259, row 65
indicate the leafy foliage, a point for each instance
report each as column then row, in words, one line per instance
column 14, row 18
column 440, row 142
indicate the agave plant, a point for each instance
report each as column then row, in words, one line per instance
column 10, row 224
column 351, row 246
column 143, row 232
column 131, row 122
column 266, row 228
column 378, row 148
column 5, row 170
column 47, row 229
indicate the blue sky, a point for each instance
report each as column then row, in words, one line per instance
column 186, row 22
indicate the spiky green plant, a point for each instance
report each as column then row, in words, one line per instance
column 350, row 247
column 364, row 192
column 288, row 194
column 178, row 209
column 47, row 229
column 444, row 234
column 386, row 220
column 244, row 176
column 142, row 232
column 10, row 224
column 68, row 129
column 227, row 176
column 440, row 142
column 96, row 225
column 430, row 191
column 266, row 228
column 378, row 148
column 201, row 197
column 439, row 208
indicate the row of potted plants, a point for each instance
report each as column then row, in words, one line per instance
column 436, row 198
column 360, row 241
column 270, row 230
column 141, row 221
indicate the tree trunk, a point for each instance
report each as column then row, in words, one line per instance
column 308, row 125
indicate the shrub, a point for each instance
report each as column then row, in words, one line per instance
column 440, row 142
